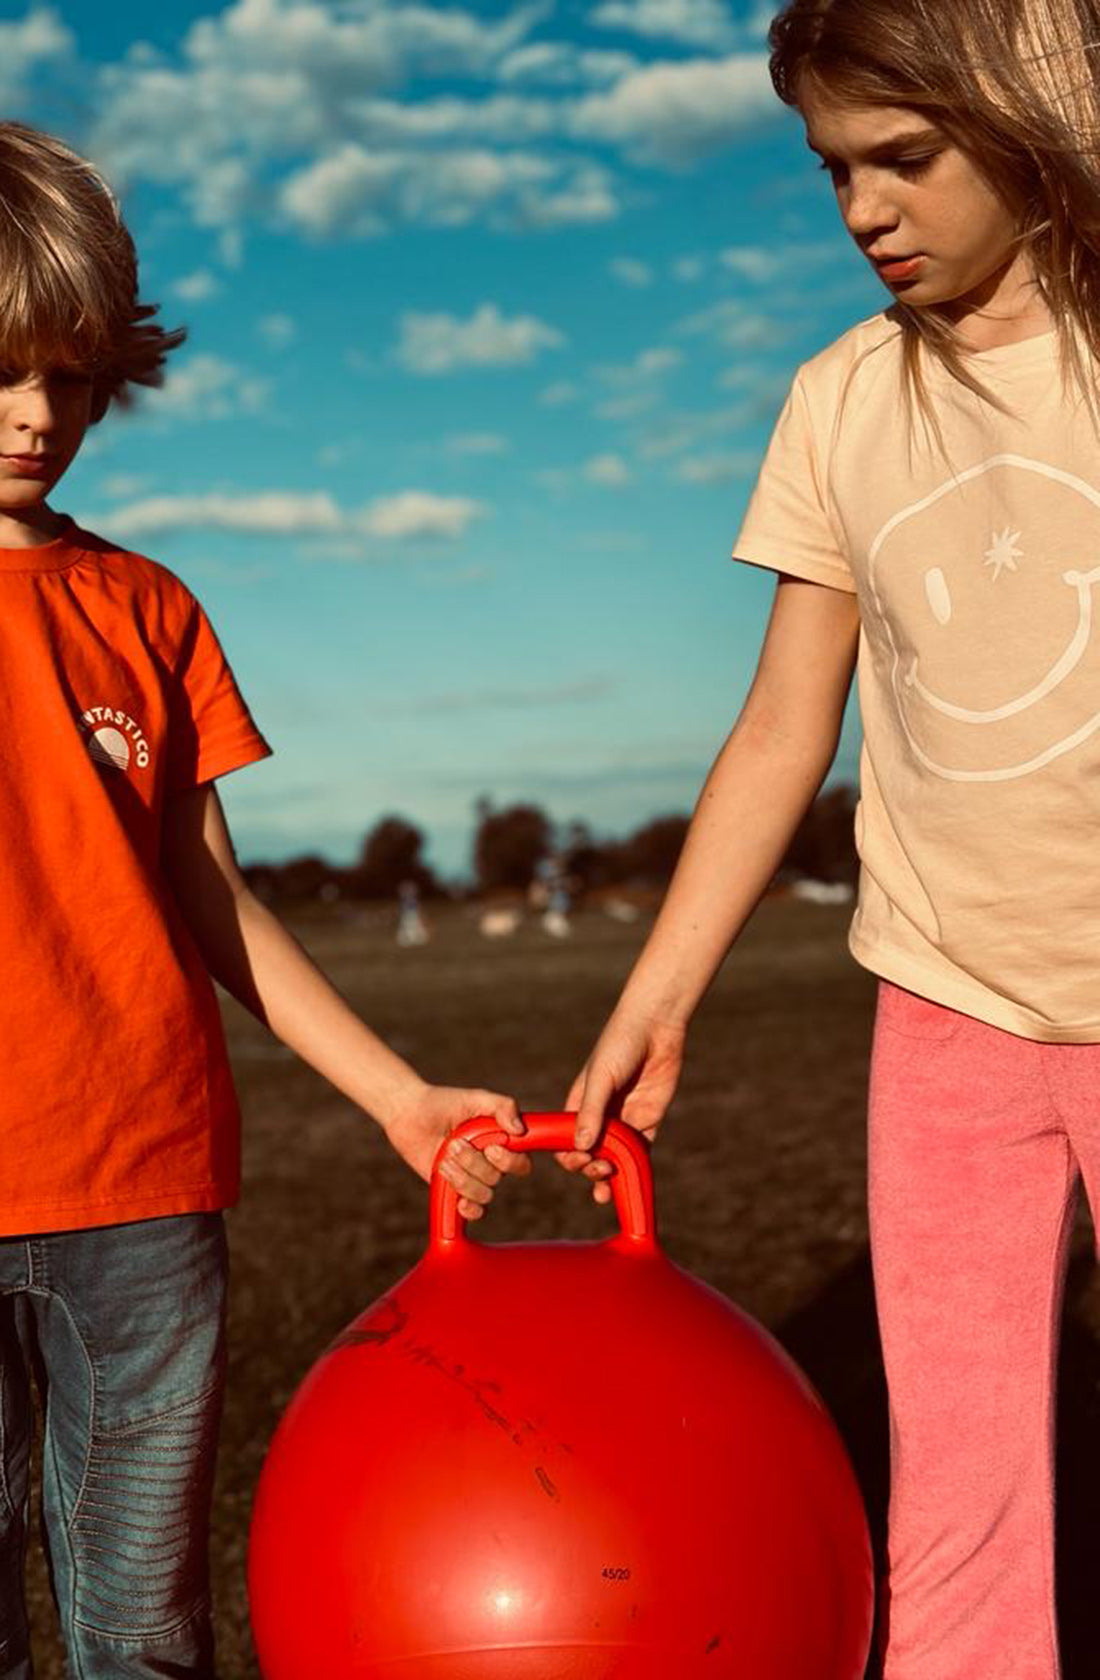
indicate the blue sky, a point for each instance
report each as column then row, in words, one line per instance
column 491, row 310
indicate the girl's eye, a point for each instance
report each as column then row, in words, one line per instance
column 905, row 166
column 916, row 166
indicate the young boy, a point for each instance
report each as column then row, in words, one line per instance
column 121, row 897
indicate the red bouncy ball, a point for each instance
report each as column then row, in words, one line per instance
column 557, row 1461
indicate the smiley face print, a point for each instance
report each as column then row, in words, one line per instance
column 983, row 602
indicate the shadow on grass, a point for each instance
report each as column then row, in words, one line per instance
column 835, row 1340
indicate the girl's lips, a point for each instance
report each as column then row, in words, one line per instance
column 900, row 270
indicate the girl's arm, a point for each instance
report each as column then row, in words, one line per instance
column 261, row 964
column 758, row 790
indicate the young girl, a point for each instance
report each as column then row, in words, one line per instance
column 961, row 137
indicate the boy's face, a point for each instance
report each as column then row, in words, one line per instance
column 43, row 418
column 904, row 188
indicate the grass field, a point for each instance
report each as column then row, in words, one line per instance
column 759, row 1172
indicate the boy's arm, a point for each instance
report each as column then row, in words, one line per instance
column 249, row 952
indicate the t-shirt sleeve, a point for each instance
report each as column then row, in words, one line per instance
column 786, row 525
column 211, row 730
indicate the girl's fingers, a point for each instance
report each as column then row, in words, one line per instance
column 578, row 1160
column 598, row 1091
column 576, row 1091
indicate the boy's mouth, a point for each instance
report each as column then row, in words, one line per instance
column 34, row 466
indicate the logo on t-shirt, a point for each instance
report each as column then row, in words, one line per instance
column 114, row 738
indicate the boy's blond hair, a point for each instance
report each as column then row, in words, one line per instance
column 1016, row 85
column 69, row 274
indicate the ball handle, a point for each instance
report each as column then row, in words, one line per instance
column 631, row 1185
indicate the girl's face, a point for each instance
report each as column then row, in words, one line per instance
column 905, row 189
column 43, row 419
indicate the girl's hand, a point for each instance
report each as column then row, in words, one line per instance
column 430, row 1113
column 632, row 1074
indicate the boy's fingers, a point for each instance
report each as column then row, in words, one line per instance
column 473, row 1166
column 509, row 1160
column 503, row 1109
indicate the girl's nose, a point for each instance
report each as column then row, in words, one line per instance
column 868, row 209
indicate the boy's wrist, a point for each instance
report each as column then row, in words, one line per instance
column 395, row 1096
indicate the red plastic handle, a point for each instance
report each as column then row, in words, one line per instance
column 631, row 1185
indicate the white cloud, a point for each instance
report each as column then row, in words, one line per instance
column 674, row 114
column 688, row 268
column 647, row 364
column 698, row 23
column 410, row 513
column 275, row 103
column 733, row 324
column 557, row 395
column 719, row 468
column 441, row 343
column 628, row 407
column 762, row 264
column 277, row 330
column 630, row 271
column 328, row 118
column 561, row 64
column 119, row 485
column 196, row 287
column 36, row 39
column 478, row 443
column 207, row 388
column 362, row 190
column 687, row 429
column 610, row 470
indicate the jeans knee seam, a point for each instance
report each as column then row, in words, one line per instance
column 160, row 1637
column 140, row 1424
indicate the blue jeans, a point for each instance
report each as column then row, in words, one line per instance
column 124, row 1326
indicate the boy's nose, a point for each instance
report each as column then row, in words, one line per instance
column 34, row 409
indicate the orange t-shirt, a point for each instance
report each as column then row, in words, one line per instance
column 116, row 1100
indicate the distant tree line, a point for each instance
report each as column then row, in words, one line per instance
column 511, row 842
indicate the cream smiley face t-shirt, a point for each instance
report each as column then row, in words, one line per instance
column 978, row 581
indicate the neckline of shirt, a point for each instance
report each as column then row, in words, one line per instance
column 1021, row 350
column 53, row 556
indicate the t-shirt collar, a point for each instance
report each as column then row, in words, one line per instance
column 52, row 556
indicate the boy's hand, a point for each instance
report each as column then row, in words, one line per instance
column 632, row 1074
column 418, row 1126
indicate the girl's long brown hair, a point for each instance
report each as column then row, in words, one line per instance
column 69, row 273
column 1014, row 84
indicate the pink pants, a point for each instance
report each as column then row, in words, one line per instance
column 976, row 1140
